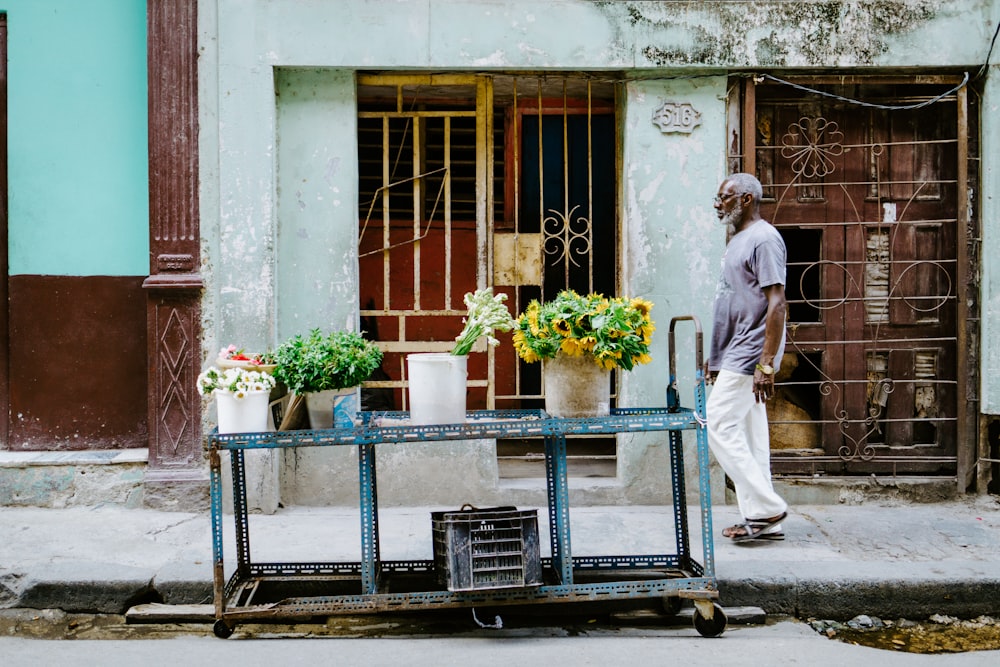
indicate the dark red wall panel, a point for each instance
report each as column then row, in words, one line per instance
column 78, row 368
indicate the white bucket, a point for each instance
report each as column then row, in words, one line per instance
column 246, row 415
column 437, row 387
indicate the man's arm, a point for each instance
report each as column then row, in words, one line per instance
column 774, row 326
column 774, row 323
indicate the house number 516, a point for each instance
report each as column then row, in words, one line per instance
column 677, row 117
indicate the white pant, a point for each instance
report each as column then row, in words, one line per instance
column 738, row 437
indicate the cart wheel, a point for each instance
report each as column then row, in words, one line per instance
column 222, row 630
column 710, row 627
column 672, row 604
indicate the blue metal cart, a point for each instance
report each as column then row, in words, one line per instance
column 281, row 591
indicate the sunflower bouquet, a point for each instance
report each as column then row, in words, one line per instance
column 614, row 332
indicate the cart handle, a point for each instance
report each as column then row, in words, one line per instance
column 673, row 400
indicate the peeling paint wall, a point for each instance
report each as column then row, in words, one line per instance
column 780, row 34
column 317, row 201
column 279, row 181
column 989, row 200
column 671, row 239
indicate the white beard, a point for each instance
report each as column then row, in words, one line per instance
column 732, row 217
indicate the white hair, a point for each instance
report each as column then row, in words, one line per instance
column 749, row 184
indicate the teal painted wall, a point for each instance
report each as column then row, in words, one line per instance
column 77, row 137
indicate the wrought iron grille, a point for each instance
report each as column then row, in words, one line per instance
column 872, row 203
column 468, row 181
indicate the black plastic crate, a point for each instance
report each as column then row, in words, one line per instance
column 477, row 549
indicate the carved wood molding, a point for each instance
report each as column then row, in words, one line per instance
column 174, row 285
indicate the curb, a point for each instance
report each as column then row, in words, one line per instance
column 913, row 591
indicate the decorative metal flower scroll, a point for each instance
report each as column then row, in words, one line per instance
column 810, row 145
column 566, row 237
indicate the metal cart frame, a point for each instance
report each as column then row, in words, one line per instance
column 567, row 578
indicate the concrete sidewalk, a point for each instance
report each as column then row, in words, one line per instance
column 892, row 561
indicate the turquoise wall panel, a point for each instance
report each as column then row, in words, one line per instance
column 77, row 137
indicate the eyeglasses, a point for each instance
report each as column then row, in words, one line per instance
column 718, row 200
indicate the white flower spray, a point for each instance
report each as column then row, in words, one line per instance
column 487, row 313
column 239, row 381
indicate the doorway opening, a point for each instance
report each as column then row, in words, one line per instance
column 470, row 181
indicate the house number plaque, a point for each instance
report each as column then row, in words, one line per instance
column 677, row 117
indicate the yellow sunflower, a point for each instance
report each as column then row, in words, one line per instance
column 642, row 306
column 571, row 347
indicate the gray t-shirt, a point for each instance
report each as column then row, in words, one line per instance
column 754, row 259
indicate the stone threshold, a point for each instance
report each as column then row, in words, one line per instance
column 833, row 490
column 73, row 458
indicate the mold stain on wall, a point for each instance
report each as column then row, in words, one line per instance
column 770, row 33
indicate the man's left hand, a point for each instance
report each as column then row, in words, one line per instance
column 763, row 386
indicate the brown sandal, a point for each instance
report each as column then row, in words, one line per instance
column 755, row 529
column 733, row 530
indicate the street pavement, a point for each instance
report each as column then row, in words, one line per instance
column 781, row 643
column 881, row 558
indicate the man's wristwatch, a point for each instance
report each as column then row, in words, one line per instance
column 766, row 369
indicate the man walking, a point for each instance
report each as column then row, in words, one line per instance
column 748, row 339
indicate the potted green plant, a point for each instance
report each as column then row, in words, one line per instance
column 438, row 380
column 327, row 370
column 241, row 397
column 580, row 339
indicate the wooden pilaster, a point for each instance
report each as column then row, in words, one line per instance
column 177, row 476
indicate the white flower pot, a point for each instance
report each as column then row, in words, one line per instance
column 437, row 387
column 243, row 415
column 576, row 387
column 333, row 407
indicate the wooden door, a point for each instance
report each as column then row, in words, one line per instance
column 565, row 172
column 868, row 200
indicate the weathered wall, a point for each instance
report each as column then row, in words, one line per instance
column 782, row 34
column 72, row 479
column 280, row 110
column 672, row 243
column 988, row 199
column 317, row 201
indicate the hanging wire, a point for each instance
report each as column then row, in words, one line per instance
column 892, row 107
column 871, row 105
column 986, row 63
